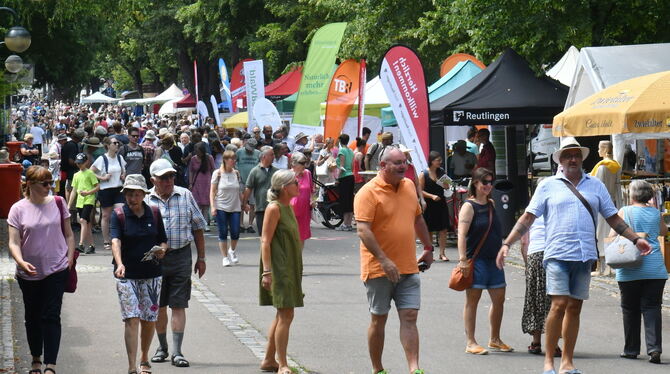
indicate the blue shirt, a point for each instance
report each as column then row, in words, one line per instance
column 569, row 229
column 645, row 220
column 181, row 215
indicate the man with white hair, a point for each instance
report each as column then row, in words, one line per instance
column 259, row 182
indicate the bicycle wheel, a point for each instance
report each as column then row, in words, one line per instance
column 332, row 217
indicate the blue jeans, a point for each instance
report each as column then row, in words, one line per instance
column 225, row 220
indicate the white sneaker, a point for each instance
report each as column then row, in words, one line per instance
column 225, row 262
column 232, row 256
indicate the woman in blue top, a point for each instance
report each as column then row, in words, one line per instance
column 642, row 287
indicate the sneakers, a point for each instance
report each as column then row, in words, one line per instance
column 344, row 228
column 418, row 371
column 90, row 250
column 232, row 256
column 225, row 262
column 500, row 347
column 251, row 230
column 207, row 229
column 80, row 248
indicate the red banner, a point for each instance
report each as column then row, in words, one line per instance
column 237, row 85
column 404, row 81
column 342, row 94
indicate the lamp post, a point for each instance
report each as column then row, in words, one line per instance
column 17, row 39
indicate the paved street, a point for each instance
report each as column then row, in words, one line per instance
column 226, row 328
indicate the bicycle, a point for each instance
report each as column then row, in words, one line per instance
column 455, row 199
column 328, row 211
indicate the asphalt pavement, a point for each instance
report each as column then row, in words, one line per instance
column 226, row 329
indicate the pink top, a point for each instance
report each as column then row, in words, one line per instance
column 42, row 240
column 301, row 204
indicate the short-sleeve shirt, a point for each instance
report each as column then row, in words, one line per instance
column 138, row 235
column 35, row 223
column 84, row 180
column 134, row 158
column 38, row 134
column 115, row 166
column 472, row 147
column 348, row 161
column 181, row 215
column 227, row 191
column 260, row 181
column 246, row 161
column 391, row 213
column 569, row 228
column 32, row 158
column 69, row 152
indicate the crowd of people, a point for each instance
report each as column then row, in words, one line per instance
column 161, row 183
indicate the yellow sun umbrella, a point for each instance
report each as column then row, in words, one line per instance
column 237, row 121
column 638, row 105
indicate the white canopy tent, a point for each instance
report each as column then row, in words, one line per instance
column 173, row 92
column 565, row 68
column 601, row 67
column 170, row 107
column 98, row 98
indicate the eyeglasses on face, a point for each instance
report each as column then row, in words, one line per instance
column 115, row 143
column 45, row 183
column 486, row 182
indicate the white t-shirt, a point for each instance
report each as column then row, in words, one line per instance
column 38, row 134
column 227, row 191
column 114, row 168
column 282, row 163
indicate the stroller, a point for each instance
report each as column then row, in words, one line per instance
column 328, row 211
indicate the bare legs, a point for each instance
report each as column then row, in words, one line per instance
column 104, row 223
column 409, row 338
column 563, row 317
column 85, row 234
column 130, row 336
column 472, row 297
column 278, row 340
column 496, row 312
column 442, row 242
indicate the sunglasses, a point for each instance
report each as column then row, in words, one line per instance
column 486, row 182
column 169, row 176
column 45, row 183
column 134, row 136
column 115, row 143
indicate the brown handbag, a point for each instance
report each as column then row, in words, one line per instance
column 459, row 281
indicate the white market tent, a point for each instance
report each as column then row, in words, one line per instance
column 173, row 92
column 565, row 68
column 98, row 98
column 170, row 107
column 601, row 67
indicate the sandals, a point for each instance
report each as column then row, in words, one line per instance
column 146, row 365
column 535, row 348
column 179, row 361
column 268, row 368
column 49, row 369
column 107, row 246
column 444, row 258
column 476, row 350
column 160, row 355
column 35, row 371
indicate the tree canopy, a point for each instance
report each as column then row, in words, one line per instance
column 76, row 43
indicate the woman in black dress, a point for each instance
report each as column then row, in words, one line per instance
column 435, row 214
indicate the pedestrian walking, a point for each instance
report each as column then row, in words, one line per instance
column 84, row 187
column 436, row 211
column 345, row 182
column 280, row 267
column 258, row 183
column 184, row 224
column 110, row 170
column 200, row 168
column 137, row 229
column 247, row 158
column 479, row 238
column 642, row 286
column 226, row 206
column 568, row 201
column 41, row 270
column 302, row 204
column 388, row 219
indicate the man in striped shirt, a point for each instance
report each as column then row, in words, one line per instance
column 184, row 223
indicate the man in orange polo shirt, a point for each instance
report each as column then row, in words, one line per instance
column 389, row 218
column 365, row 134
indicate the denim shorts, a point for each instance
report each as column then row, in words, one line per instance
column 487, row 275
column 568, row 278
column 406, row 293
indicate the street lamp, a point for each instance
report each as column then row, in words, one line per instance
column 17, row 39
column 13, row 64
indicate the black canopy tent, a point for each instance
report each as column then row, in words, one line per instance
column 507, row 92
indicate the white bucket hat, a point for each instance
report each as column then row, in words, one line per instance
column 135, row 182
column 569, row 142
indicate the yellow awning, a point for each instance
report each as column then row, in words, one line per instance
column 237, row 121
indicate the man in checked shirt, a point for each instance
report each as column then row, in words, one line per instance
column 184, row 223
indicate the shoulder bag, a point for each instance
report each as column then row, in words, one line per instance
column 71, row 283
column 620, row 252
column 459, row 281
column 586, row 204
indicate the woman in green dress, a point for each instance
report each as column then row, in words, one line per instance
column 280, row 267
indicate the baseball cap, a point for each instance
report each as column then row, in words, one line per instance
column 81, row 158
column 160, row 167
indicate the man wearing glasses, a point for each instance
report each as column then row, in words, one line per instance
column 133, row 153
column 184, row 224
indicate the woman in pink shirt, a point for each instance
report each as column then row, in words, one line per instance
column 41, row 270
column 302, row 204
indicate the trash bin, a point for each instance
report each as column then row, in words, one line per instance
column 10, row 180
column 505, row 203
column 13, row 148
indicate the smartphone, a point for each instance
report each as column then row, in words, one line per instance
column 423, row 266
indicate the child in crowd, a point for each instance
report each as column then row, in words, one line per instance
column 84, row 187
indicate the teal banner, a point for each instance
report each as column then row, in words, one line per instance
column 317, row 73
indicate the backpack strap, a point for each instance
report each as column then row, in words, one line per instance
column 121, row 215
column 106, row 161
column 59, row 204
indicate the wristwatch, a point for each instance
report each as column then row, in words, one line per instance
column 636, row 239
column 428, row 248
column 202, row 259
